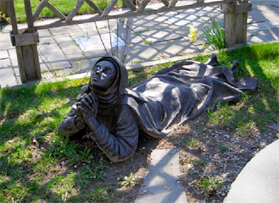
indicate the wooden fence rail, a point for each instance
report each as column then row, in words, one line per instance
column 235, row 23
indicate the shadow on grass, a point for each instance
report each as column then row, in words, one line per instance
column 74, row 170
column 59, row 168
column 21, row 121
column 217, row 147
column 259, row 108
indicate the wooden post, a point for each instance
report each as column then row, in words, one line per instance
column 235, row 22
column 4, row 7
column 25, row 41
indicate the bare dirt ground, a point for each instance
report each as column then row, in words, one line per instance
column 210, row 160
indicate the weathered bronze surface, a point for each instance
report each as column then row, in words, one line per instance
column 113, row 115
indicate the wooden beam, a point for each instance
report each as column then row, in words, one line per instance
column 128, row 13
column 109, row 8
column 237, row 9
column 74, row 10
column 200, row 1
column 55, row 11
column 39, row 9
column 29, row 16
column 143, row 5
column 166, row 2
column 130, row 5
column 11, row 11
column 26, row 39
column 95, row 7
column 172, row 3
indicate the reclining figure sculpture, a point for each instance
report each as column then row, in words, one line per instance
column 113, row 115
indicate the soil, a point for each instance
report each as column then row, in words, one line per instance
column 210, row 160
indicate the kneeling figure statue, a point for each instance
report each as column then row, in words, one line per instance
column 113, row 115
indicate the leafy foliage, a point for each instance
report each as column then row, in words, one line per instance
column 215, row 35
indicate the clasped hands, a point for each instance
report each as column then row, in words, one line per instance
column 87, row 106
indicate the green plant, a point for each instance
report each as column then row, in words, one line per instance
column 4, row 18
column 129, row 181
column 215, row 35
column 199, row 164
column 148, row 42
column 209, row 185
column 223, row 148
column 192, row 143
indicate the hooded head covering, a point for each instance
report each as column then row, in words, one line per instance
column 109, row 97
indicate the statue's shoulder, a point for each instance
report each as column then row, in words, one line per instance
column 129, row 96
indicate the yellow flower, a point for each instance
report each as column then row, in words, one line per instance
column 193, row 34
column 204, row 45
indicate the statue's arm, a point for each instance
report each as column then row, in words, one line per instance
column 71, row 124
column 121, row 145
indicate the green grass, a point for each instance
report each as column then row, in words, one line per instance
column 256, row 109
column 64, row 6
column 63, row 170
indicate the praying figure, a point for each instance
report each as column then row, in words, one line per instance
column 113, row 115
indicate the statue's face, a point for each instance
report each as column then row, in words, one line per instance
column 103, row 75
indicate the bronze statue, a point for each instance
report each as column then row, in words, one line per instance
column 113, row 115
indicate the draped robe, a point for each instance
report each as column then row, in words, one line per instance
column 172, row 96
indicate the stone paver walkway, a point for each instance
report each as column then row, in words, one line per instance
column 149, row 38
column 161, row 183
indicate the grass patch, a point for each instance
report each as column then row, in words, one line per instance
column 255, row 110
column 64, row 170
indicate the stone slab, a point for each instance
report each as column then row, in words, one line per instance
column 175, row 47
column 159, row 35
column 271, row 34
column 44, row 33
column 75, row 56
column 4, row 63
column 263, row 35
column 140, row 53
column 255, row 38
column 88, row 33
column 60, row 73
column 83, row 65
column 91, row 27
column 274, row 127
column 161, row 183
column 128, row 35
column 255, row 16
column 269, row 10
column 256, row 27
column 5, row 41
column 96, row 42
column 259, row 180
column 65, row 30
column 67, row 44
column 149, row 22
column 7, row 77
column 56, row 65
column 52, row 55
column 47, row 40
column 4, row 54
column 13, row 58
